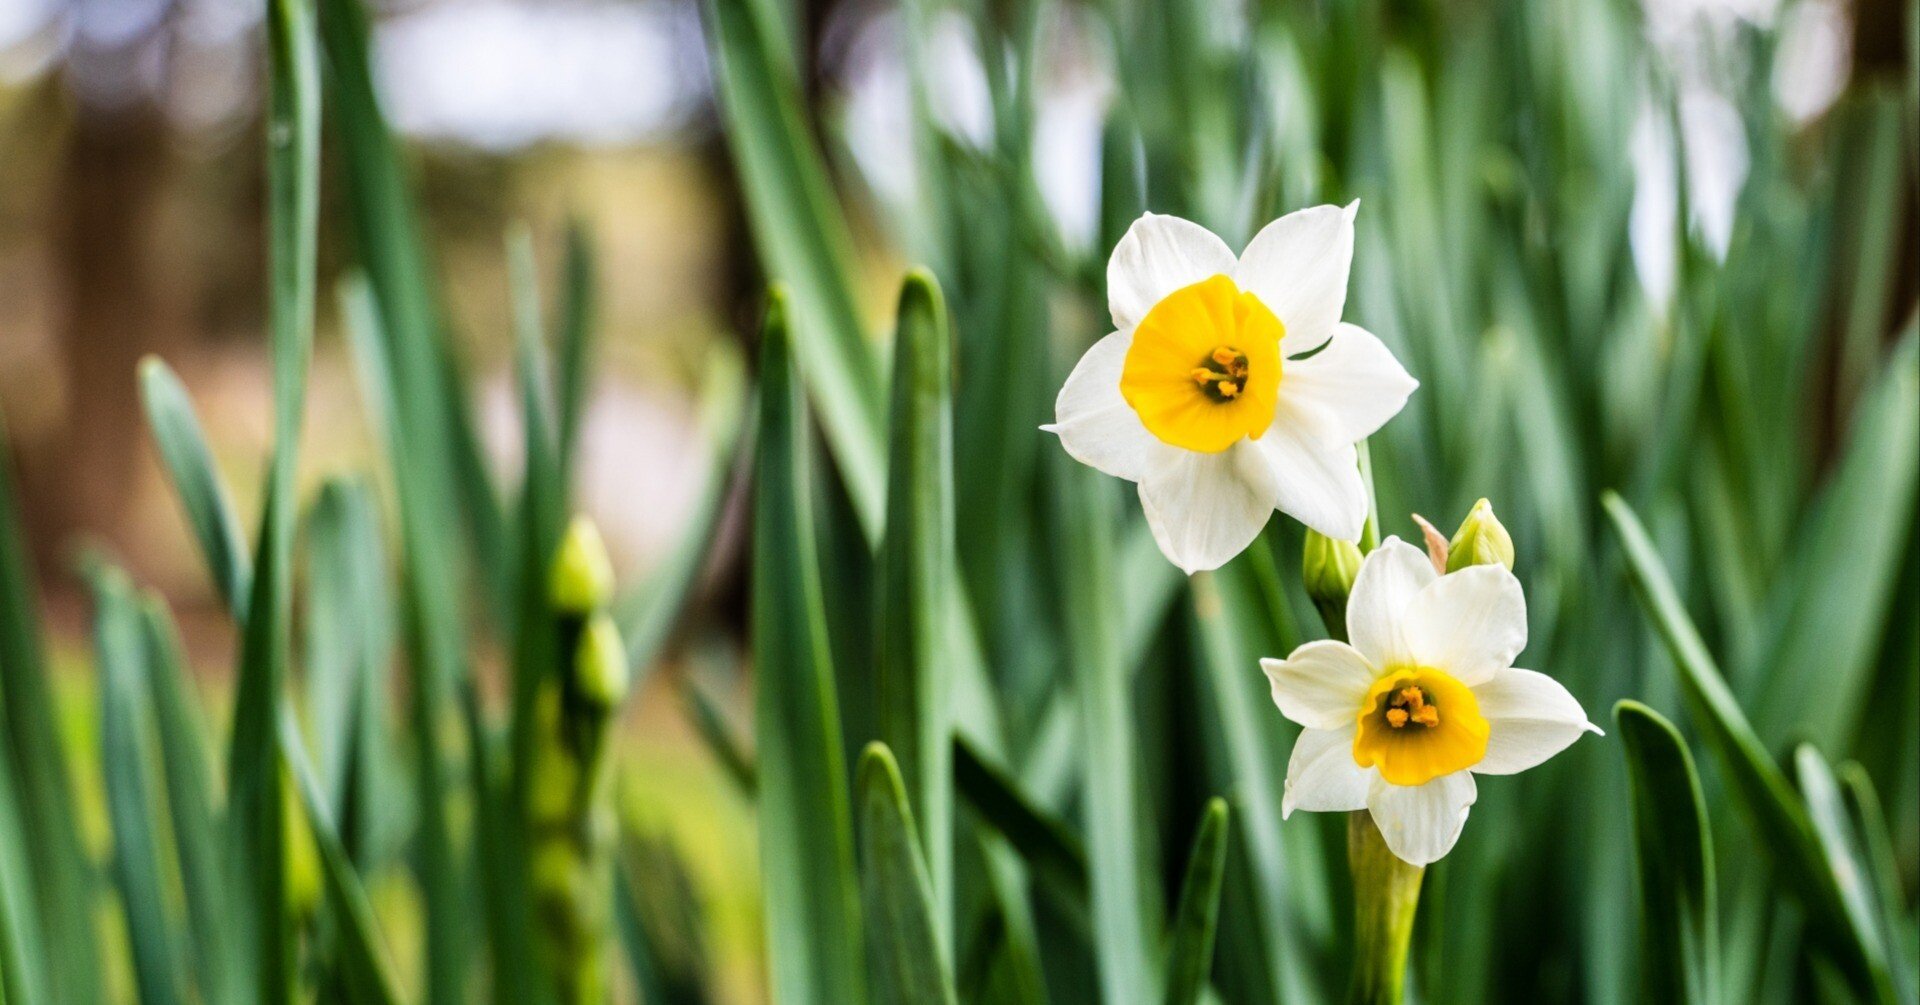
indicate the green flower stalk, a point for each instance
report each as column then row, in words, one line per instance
column 1386, row 892
column 569, row 804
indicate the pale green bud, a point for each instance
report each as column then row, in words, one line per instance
column 600, row 662
column 556, row 868
column 581, row 580
column 1481, row 540
column 300, row 855
column 1327, row 568
column 555, row 775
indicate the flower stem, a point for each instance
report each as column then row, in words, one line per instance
column 1386, row 892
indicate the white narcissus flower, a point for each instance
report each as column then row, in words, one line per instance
column 1426, row 697
column 1231, row 388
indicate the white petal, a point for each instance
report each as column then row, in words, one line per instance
column 1390, row 577
column 1204, row 509
column 1318, row 472
column 1355, row 380
column 1421, row 822
column 1095, row 424
column 1322, row 685
column 1297, row 266
column 1531, row 718
column 1158, row 255
column 1322, row 776
column 1470, row 623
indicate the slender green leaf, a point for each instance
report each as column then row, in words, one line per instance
column 207, row 873
column 1846, row 856
column 577, row 324
column 22, row 965
column 363, row 963
column 349, row 639
column 1680, row 958
column 662, row 922
column 806, row 840
column 1840, row 590
column 1003, row 962
column 442, row 448
column 539, row 517
column 412, row 383
column 1190, row 955
column 712, row 726
column 1875, row 183
column 633, row 938
column 917, row 565
column 904, row 949
column 256, row 801
column 801, row 238
column 183, row 448
column 1119, row 864
column 1883, row 868
column 1050, row 847
column 433, row 637
column 131, row 795
column 57, row 918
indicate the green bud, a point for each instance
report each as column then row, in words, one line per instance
column 1481, row 540
column 555, row 775
column 556, row 869
column 600, row 662
column 581, row 580
column 300, row 855
column 1327, row 568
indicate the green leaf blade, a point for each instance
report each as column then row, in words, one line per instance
column 1191, row 953
column 908, row 963
column 1679, row 955
column 131, row 795
column 809, row 883
column 363, row 963
column 1119, row 861
column 1840, row 590
column 183, row 449
column 802, row 238
column 206, row 869
column 916, row 567
column 57, row 905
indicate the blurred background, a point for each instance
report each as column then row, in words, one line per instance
column 131, row 208
column 131, row 180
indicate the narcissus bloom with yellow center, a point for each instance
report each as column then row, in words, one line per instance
column 1230, row 387
column 1426, row 696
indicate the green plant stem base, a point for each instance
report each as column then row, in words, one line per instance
column 1386, row 892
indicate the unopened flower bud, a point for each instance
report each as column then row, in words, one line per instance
column 1327, row 568
column 600, row 662
column 556, row 869
column 555, row 777
column 581, row 580
column 1481, row 540
column 300, row 855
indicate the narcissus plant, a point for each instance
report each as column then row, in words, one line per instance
column 1423, row 697
column 1230, row 387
